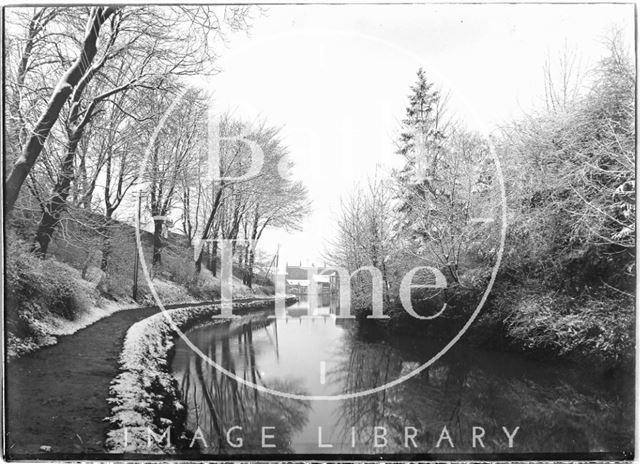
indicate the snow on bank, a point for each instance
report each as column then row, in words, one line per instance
column 145, row 396
column 49, row 325
column 169, row 293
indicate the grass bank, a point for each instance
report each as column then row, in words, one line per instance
column 46, row 299
column 49, row 298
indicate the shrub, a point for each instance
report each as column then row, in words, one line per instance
column 38, row 292
column 597, row 326
column 589, row 327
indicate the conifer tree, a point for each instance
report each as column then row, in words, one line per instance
column 422, row 131
column 440, row 183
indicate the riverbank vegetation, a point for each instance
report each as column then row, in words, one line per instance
column 106, row 130
column 566, row 281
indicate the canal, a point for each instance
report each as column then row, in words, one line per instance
column 543, row 406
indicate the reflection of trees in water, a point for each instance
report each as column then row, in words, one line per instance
column 553, row 415
column 367, row 366
column 437, row 403
column 217, row 402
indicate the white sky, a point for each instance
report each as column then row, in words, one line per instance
column 336, row 78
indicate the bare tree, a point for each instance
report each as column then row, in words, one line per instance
column 31, row 54
column 364, row 232
column 120, row 149
column 230, row 162
column 137, row 52
column 243, row 209
column 62, row 92
column 191, row 197
column 562, row 80
column 180, row 139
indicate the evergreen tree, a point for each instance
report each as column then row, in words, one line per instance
column 439, row 186
column 422, row 131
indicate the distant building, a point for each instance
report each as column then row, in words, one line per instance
column 297, row 279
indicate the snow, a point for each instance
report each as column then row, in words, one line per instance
column 51, row 325
column 170, row 292
column 61, row 326
column 145, row 396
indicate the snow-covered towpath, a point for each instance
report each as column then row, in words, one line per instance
column 56, row 398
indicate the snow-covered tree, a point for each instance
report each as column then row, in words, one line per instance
column 446, row 174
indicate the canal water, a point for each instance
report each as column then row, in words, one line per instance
column 556, row 408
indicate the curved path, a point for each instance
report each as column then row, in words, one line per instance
column 57, row 396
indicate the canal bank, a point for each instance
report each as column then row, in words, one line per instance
column 144, row 398
column 55, row 398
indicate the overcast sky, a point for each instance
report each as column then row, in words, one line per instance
column 336, row 78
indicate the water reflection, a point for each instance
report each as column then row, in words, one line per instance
column 324, row 304
column 218, row 402
column 558, row 408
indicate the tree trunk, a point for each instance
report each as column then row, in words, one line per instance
column 214, row 258
column 210, row 256
column 44, row 234
column 106, row 249
column 207, row 228
column 252, row 257
column 385, row 280
column 63, row 90
column 54, row 208
column 106, row 240
column 255, row 236
column 198, row 263
column 157, row 241
column 242, row 262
